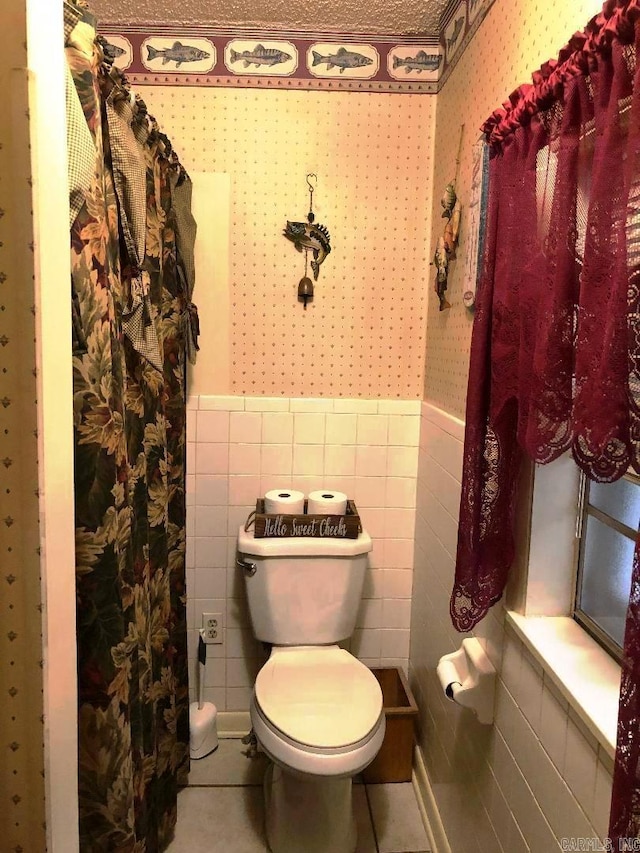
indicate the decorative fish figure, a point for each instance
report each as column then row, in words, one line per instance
column 441, row 262
column 457, row 29
column 260, row 56
column 420, row 62
column 112, row 51
column 448, row 200
column 179, row 53
column 307, row 235
column 452, row 229
column 342, row 59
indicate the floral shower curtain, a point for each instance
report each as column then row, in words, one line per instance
column 555, row 356
column 133, row 321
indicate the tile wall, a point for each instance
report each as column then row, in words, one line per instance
column 537, row 775
column 239, row 448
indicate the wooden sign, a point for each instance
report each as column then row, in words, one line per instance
column 281, row 525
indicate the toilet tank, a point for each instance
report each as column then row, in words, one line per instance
column 305, row 591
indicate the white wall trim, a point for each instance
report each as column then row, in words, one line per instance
column 327, row 405
column 427, row 805
column 55, row 418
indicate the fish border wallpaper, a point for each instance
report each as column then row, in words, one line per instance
column 200, row 56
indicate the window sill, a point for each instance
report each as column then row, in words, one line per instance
column 587, row 677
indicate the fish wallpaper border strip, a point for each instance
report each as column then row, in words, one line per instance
column 160, row 52
column 258, row 81
column 279, row 56
column 458, row 25
column 161, row 55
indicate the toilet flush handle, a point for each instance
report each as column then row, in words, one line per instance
column 247, row 566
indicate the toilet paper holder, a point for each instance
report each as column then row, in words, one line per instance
column 468, row 679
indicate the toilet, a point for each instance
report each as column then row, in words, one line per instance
column 316, row 710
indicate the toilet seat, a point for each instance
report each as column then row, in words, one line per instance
column 319, row 697
column 318, row 711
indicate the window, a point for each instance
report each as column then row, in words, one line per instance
column 608, row 524
column 542, row 596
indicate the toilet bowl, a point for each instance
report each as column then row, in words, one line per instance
column 316, row 710
column 317, row 714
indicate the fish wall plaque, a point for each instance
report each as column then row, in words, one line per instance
column 476, row 7
column 360, row 61
column 279, row 58
column 189, row 55
column 453, row 33
column 119, row 50
column 405, row 62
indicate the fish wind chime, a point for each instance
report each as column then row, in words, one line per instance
column 309, row 237
column 447, row 243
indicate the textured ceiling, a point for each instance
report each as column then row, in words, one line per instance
column 384, row 17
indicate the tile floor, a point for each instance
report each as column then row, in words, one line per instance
column 222, row 809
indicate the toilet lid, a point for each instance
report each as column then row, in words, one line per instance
column 320, row 697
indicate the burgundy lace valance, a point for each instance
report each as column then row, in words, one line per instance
column 555, row 354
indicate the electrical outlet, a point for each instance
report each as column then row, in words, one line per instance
column 212, row 624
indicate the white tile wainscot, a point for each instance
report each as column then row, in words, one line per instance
column 238, row 449
column 542, row 772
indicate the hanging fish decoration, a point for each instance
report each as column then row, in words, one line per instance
column 441, row 261
column 309, row 235
column 448, row 200
column 452, row 230
column 446, row 247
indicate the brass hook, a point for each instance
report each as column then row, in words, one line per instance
column 311, row 175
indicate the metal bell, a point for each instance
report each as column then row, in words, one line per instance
column 305, row 290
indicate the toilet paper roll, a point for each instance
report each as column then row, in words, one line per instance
column 286, row 501
column 447, row 675
column 326, row 502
